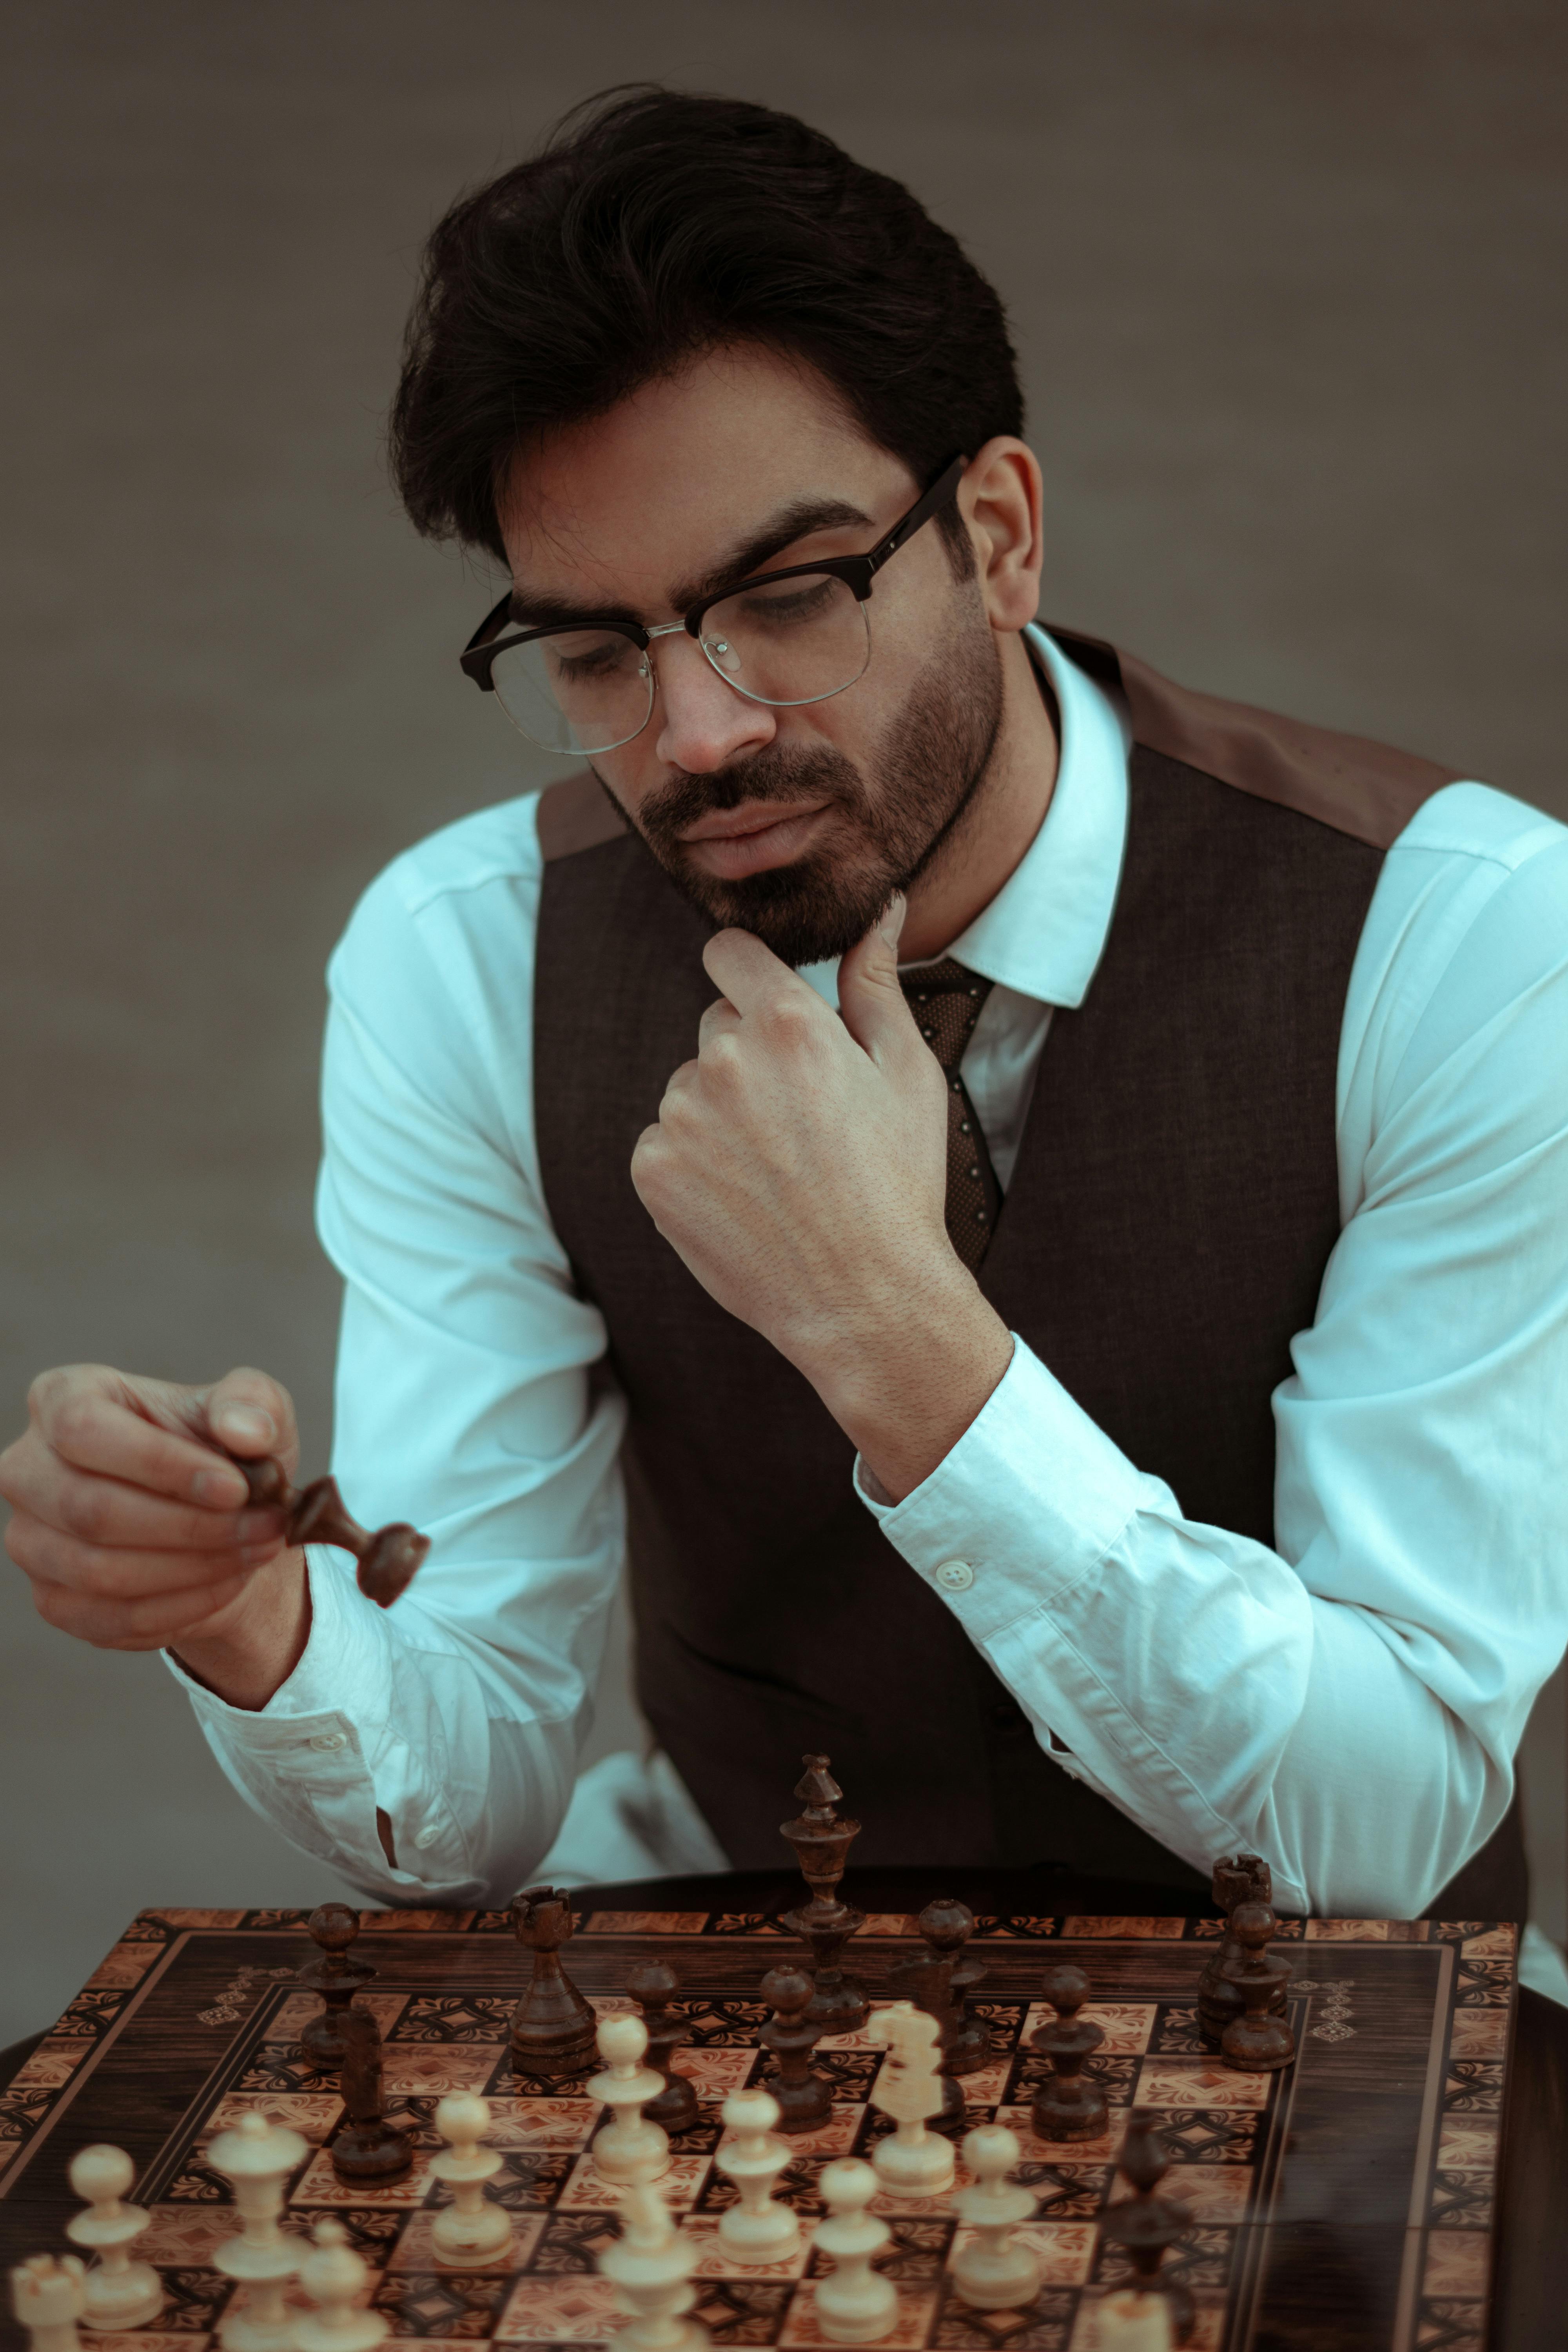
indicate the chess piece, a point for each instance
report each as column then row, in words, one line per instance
column 1260, row 2042
column 553, row 2027
column 387, row 1560
column 256, row 2158
column 911, row 2162
column 1130, row 2321
column 1146, row 2223
column 629, row 2150
column 1246, row 1878
column 332, row 2274
column 650, row 2264
column 805, row 2099
column 1071, row 2104
column 925, row 1976
column 759, row 2228
column 947, row 1926
column 822, row 1843
column 119, row 2292
column 652, row 1984
column 369, row 2147
column 48, row 2297
column 337, row 1974
column 854, row 2303
column 471, row 2233
column 993, row 2272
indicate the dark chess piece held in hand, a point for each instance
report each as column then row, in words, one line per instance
column 1148, row 2225
column 653, row 1985
column 925, row 1978
column 1260, row 2041
column 822, row 1841
column 368, row 2148
column 805, row 2098
column 553, row 2027
column 337, row 1975
column 387, row 1560
column 1071, row 2105
column 1244, row 1878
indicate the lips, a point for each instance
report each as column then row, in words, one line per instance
column 729, row 843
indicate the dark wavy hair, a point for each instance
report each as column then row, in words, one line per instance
column 652, row 226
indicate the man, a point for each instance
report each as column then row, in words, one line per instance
column 1043, row 1190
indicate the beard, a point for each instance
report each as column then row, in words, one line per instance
column 889, row 824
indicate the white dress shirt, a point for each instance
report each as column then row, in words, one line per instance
column 1347, row 1705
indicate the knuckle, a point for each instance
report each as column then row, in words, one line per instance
column 85, row 1510
column 74, row 1423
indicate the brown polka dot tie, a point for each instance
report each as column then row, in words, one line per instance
column 945, row 999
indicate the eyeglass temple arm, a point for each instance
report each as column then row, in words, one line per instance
column 935, row 499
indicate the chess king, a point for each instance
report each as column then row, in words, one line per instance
column 1025, row 1200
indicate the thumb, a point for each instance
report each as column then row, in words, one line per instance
column 869, row 998
column 250, row 1414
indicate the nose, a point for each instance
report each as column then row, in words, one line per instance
column 701, row 722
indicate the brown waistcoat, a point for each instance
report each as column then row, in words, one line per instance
column 1165, row 1234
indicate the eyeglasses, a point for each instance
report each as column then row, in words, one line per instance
column 785, row 638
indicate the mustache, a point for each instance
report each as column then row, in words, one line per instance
column 767, row 776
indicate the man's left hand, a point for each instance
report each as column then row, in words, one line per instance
column 799, row 1168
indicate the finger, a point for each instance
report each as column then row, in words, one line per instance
column 116, row 1573
column 98, row 1419
column 107, row 1511
column 874, row 1009
column 251, row 1413
column 152, row 1623
column 752, row 977
column 718, row 1021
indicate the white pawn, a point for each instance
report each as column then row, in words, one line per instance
column 1129, row 2321
column 650, row 2264
column 629, row 2150
column 256, row 2158
column 991, row 2273
column 472, row 2229
column 759, row 2228
column 120, row 2293
column 913, row 2162
column 854, row 2303
column 332, row 2274
column 48, row 2297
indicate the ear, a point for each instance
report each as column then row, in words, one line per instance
column 1000, row 500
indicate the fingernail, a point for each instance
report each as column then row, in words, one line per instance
column 248, row 1421
column 890, row 921
column 222, row 1489
column 258, row 1527
column 258, row 1554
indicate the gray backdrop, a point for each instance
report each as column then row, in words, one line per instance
column 1287, row 282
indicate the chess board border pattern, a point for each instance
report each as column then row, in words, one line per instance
column 1227, row 2133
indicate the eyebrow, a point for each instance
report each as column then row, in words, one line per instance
column 802, row 519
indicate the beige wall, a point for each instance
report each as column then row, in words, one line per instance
column 1287, row 286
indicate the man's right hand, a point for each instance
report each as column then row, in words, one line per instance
column 135, row 1527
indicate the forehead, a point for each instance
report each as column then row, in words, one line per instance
column 660, row 487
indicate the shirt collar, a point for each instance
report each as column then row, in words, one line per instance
column 1045, row 932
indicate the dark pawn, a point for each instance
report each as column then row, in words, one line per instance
column 822, row 1843
column 925, row 1976
column 1147, row 2224
column 553, row 2027
column 336, row 1976
column 947, row 1927
column 805, row 2099
column 1071, row 2104
column 368, row 2148
column 1260, row 2042
column 1247, row 1879
column 652, row 1985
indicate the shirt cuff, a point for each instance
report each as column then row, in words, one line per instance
column 344, row 1666
column 1026, row 1504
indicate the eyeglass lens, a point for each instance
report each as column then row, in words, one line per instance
column 590, row 690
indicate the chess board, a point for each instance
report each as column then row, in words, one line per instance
column 1347, row 2200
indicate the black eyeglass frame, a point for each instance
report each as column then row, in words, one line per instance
column 857, row 571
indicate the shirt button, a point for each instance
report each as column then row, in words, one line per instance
column 956, row 1575
column 328, row 1742
column 427, row 1836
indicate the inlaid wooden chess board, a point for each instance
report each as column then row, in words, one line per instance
column 1347, row 2200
